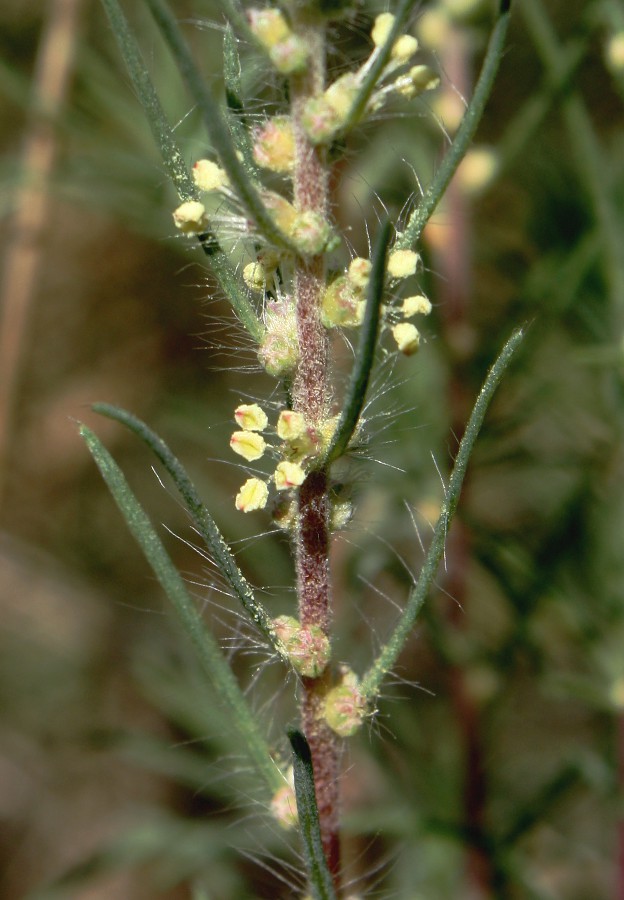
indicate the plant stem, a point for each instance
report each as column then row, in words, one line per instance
column 311, row 396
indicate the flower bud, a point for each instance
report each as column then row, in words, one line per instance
column 251, row 417
column 407, row 338
column 274, row 145
column 190, row 217
column 418, row 305
column 290, row 55
column 418, row 80
column 341, row 305
column 252, row 495
column 402, row 263
column 310, row 232
column 359, row 272
column 288, row 475
column 284, row 803
column 345, row 708
column 268, row 26
column 279, row 350
column 404, row 48
column 208, row 176
column 248, row 444
column 307, row 646
column 290, row 425
column 255, row 277
column 381, row 29
column 282, row 212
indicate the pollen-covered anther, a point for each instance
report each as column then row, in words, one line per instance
column 252, row 495
column 345, row 708
column 248, row 444
column 381, row 29
column 251, row 417
column 418, row 305
column 402, row 263
column 255, row 277
column 290, row 425
column 359, row 272
column 418, row 80
column 307, row 646
column 208, row 176
column 407, row 338
column 274, row 145
column 404, row 48
column 288, row 475
column 284, row 803
column 324, row 115
column 190, row 217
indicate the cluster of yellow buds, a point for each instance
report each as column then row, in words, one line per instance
column 287, row 52
column 300, row 443
column 326, row 114
column 343, row 301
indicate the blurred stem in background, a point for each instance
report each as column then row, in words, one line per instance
column 30, row 218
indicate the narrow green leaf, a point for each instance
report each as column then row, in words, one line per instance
column 205, row 524
column 234, row 100
column 363, row 364
column 320, row 881
column 208, row 651
column 372, row 680
column 176, row 167
column 369, row 83
column 216, row 126
column 464, row 135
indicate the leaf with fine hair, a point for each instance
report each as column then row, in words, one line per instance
column 234, row 100
column 464, row 136
column 319, row 877
column 205, row 524
column 363, row 364
column 206, row 647
column 216, row 126
column 176, row 167
column 371, row 682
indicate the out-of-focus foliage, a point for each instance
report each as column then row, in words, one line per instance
column 494, row 760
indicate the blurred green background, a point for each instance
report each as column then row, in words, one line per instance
column 494, row 767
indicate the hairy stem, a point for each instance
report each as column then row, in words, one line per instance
column 311, row 396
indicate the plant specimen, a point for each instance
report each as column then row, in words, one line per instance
column 300, row 291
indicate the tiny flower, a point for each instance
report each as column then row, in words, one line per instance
column 290, row 425
column 341, row 514
column 269, row 26
column 252, row 495
column 407, row 338
column 418, row 80
column 251, row 417
column 417, row 305
column 274, row 145
column 404, row 48
column 341, row 93
column 288, row 475
column 279, row 350
column 190, row 217
column 345, row 708
column 248, row 444
column 320, row 120
column 284, row 803
column 307, row 646
column 290, row 55
column 341, row 304
column 402, row 263
column 359, row 272
column 381, row 29
column 208, row 176
column 310, row 231
column 282, row 212
column 255, row 277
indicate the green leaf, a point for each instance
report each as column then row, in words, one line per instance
column 173, row 160
column 208, row 651
column 205, row 524
column 320, row 881
column 372, row 680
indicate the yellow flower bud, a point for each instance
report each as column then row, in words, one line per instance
column 404, row 48
column 416, row 306
column 359, row 272
column 307, row 646
column 208, row 176
column 407, row 338
column 288, row 475
column 381, row 29
column 252, row 495
column 190, row 217
column 248, row 444
column 290, row 425
column 251, row 417
column 345, row 708
column 402, row 263
column 274, row 145
column 269, row 26
column 255, row 277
